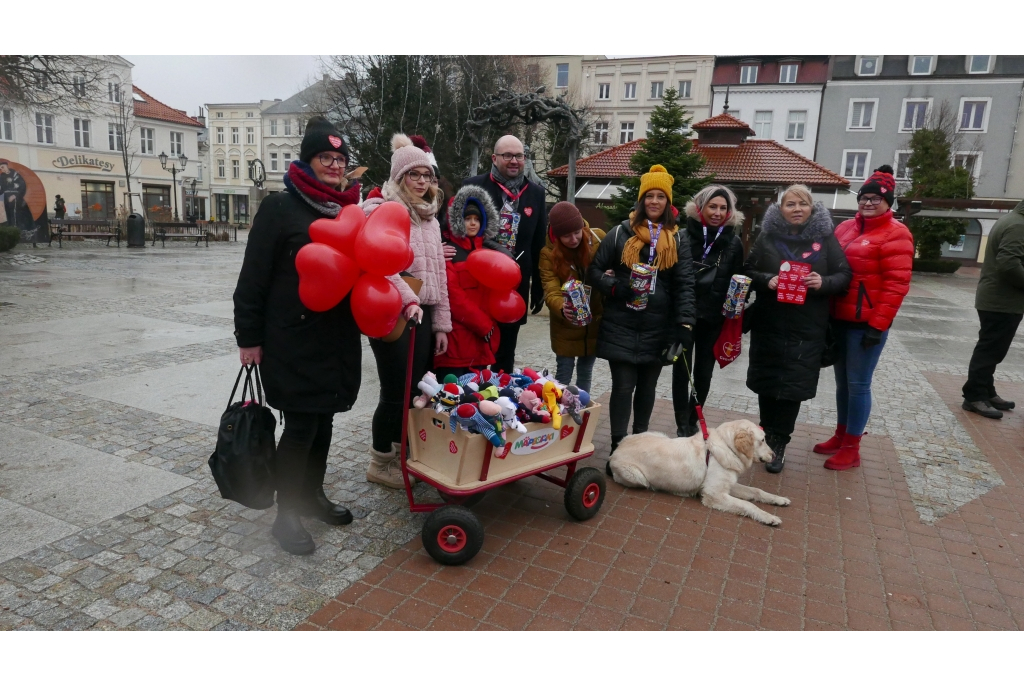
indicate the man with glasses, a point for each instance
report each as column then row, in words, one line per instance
column 523, row 219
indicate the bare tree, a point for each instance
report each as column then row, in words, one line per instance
column 57, row 83
column 124, row 127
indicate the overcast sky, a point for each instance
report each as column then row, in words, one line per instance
column 186, row 82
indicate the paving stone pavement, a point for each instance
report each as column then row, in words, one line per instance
column 190, row 560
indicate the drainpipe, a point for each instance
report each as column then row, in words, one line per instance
column 1013, row 140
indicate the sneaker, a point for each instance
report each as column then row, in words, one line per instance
column 1001, row 404
column 984, row 408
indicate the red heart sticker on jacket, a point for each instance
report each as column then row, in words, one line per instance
column 528, row 211
column 335, row 141
column 566, row 432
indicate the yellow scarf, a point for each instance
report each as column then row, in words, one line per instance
column 665, row 253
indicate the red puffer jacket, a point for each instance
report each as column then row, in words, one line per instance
column 880, row 251
column 470, row 319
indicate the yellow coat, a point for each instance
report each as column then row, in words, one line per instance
column 568, row 340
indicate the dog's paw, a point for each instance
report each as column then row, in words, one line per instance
column 782, row 501
column 772, row 520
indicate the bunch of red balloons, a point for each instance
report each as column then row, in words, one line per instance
column 355, row 253
column 499, row 274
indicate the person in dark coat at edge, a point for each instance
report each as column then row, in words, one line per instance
column 635, row 341
column 786, row 339
column 717, row 253
column 310, row 361
column 522, row 225
column 59, row 208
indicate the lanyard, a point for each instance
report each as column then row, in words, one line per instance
column 655, row 234
column 513, row 196
column 707, row 247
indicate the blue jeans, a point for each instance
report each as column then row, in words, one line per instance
column 854, row 367
column 584, row 370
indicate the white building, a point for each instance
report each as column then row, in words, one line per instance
column 236, row 141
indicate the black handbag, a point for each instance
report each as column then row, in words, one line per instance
column 704, row 274
column 243, row 463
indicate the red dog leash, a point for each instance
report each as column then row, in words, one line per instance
column 700, row 411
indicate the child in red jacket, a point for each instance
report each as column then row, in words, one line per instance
column 473, row 223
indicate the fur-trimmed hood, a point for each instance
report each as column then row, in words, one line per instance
column 478, row 196
column 818, row 225
column 735, row 219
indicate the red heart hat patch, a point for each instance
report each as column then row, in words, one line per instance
column 335, row 141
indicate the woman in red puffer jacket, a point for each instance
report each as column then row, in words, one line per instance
column 880, row 251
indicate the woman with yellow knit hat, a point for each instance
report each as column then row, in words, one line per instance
column 645, row 273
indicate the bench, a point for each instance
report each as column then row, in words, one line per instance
column 162, row 230
column 83, row 228
column 217, row 227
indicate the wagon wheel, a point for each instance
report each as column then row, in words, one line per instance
column 452, row 535
column 464, row 501
column 584, row 493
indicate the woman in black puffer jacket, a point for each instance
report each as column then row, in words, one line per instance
column 634, row 342
column 717, row 252
column 310, row 362
column 787, row 339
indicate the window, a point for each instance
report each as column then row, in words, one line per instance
column 869, row 65
column 146, row 137
column 248, row 115
column 220, row 115
column 915, row 114
column 97, row 200
column 6, row 124
column 787, row 73
column 921, row 65
column 220, row 134
column 902, row 165
column 604, row 91
column 250, row 135
column 42, row 80
column 115, row 137
column 561, row 76
column 234, row 135
column 625, row 132
column 795, row 125
column 601, row 133
column 763, row 124
column 748, row 73
column 114, row 92
column 648, row 131
column 973, row 114
column 970, row 161
column 220, row 168
column 629, row 92
column 236, row 168
column 855, row 163
column 273, row 127
column 684, row 89
column 302, row 126
column 78, row 86
column 657, row 87
column 862, row 115
column 177, row 146
column 273, row 161
column 44, row 128
column 199, row 171
column 83, row 134
column 287, row 160
column 287, row 127
column 979, row 64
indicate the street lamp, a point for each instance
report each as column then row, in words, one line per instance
column 183, row 160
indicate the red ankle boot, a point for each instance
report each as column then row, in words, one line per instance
column 832, row 445
column 848, row 455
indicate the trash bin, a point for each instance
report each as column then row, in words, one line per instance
column 136, row 226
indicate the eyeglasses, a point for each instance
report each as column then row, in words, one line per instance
column 873, row 200
column 508, row 156
column 416, row 175
column 328, row 161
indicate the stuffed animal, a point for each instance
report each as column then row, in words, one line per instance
column 571, row 403
column 429, row 386
column 488, row 391
column 472, row 420
column 551, row 396
column 531, row 409
column 508, row 414
column 446, row 398
column 531, row 374
column 584, row 397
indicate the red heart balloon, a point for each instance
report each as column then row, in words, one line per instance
column 495, row 270
column 325, row 276
column 382, row 247
column 376, row 304
column 506, row 306
column 340, row 233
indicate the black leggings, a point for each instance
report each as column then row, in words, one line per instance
column 302, row 456
column 391, row 359
column 778, row 416
column 636, row 385
column 701, row 356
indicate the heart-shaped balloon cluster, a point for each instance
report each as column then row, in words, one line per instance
column 499, row 274
column 353, row 253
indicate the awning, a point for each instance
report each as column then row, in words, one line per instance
column 597, row 190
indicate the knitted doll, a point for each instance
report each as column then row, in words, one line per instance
column 551, row 396
column 429, row 386
column 446, row 398
column 531, row 408
column 508, row 414
column 472, row 420
column 571, row 403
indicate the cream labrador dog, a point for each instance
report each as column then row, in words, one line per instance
column 676, row 465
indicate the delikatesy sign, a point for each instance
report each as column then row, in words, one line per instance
column 535, row 441
column 66, row 162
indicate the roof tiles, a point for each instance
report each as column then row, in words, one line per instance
column 151, row 108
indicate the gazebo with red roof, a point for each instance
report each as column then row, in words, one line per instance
column 757, row 170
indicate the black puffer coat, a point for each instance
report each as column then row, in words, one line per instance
column 312, row 361
column 726, row 252
column 787, row 340
column 640, row 337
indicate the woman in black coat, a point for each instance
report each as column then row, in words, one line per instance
column 310, row 361
column 787, row 339
column 717, row 252
column 635, row 341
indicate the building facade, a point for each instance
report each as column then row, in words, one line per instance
column 284, row 122
column 235, row 143
column 623, row 92
column 779, row 96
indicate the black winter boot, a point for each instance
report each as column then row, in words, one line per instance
column 778, row 445
column 290, row 534
column 314, row 502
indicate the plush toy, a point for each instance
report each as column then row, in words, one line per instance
column 531, row 374
column 446, row 398
column 450, row 378
column 508, row 414
column 571, row 403
column 492, row 414
column 429, row 386
column 503, row 380
column 488, row 391
column 551, row 396
column 471, row 419
column 531, row 409
column 584, row 397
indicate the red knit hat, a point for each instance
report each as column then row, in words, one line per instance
column 881, row 183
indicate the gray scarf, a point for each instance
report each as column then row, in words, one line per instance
column 513, row 184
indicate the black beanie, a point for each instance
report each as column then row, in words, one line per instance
column 321, row 136
column 881, row 183
column 472, row 209
column 722, row 193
